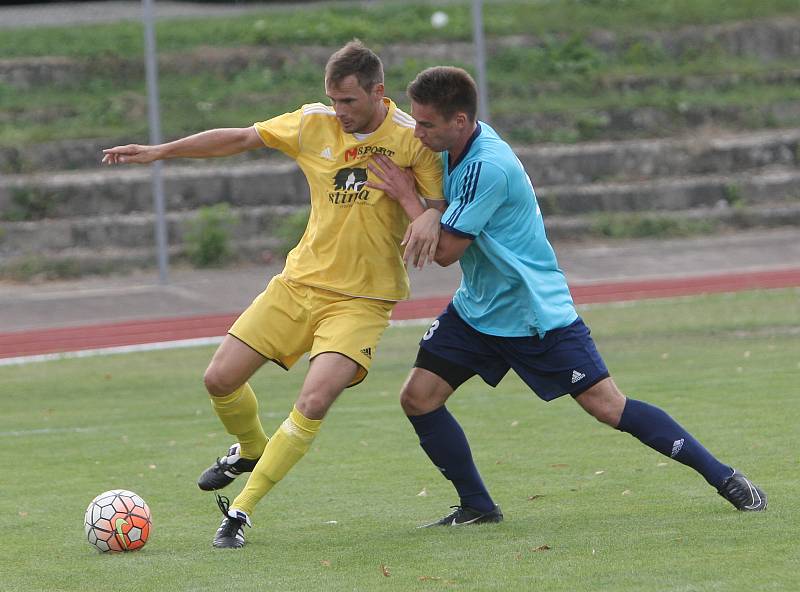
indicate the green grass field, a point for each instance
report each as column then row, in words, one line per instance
column 614, row 514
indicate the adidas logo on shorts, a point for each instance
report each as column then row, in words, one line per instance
column 367, row 351
column 577, row 376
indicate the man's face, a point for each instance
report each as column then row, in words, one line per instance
column 357, row 110
column 433, row 130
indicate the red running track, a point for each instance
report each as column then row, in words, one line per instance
column 70, row 339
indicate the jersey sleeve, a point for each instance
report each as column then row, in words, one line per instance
column 282, row 132
column 480, row 191
column 428, row 174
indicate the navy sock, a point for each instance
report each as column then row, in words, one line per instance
column 443, row 440
column 659, row 431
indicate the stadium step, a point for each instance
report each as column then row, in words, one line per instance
column 100, row 219
column 132, row 231
column 555, row 169
column 124, row 190
column 773, row 184
column 695, row 154
column 121, row 243
column 763, row 39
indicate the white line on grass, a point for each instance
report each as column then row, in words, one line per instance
column 121, row 349
column 40, row 431
column 147, row 347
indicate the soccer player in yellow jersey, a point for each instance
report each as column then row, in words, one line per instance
column 336, row 292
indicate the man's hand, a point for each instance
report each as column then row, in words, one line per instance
column 422, row 234
column 422, row 238
column 130, row 154
column 397, row 183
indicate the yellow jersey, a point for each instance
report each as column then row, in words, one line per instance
column 352, row 242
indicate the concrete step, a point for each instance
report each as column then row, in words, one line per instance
column 108, row 243
column 638, row 83
column 658, row 225
column 648, row 121
column 696, row 151
column 81, row 261
column 695, row 154
column 134, row 231
column 639, row 174
column 124, row 190
column 86, row 154
column 767, row 40
column 774, row 184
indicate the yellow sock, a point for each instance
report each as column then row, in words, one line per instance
column 288, row 445
column 239, row 414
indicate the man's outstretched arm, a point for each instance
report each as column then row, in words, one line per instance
column 211, row 143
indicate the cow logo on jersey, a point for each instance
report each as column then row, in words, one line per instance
column 348, row 186
column 350, row 179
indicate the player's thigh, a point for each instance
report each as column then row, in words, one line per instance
column 328, row 375
column 278, row 323
column 455, row 351
column 351, row 327
column 232, row 365
column 565, row 361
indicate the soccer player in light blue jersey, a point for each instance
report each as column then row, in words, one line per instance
column 513, row 309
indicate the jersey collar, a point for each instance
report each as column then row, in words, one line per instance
column 451, row 166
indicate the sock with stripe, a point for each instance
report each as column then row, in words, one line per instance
column 287, row 446
column 445, row 443
column 656, row 429
column 239, row 414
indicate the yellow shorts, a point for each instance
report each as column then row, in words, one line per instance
column 289, row 319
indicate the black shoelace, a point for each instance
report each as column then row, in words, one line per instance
column 224, row 504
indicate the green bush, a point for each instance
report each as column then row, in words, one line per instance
column 38, row 267
column 649, row 226
column 734, row 195
column 208, row 237
column 32, row 203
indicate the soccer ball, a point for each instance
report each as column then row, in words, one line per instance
column 439, row 19
column 117, row 521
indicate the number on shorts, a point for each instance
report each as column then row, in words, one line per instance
column 429, row 332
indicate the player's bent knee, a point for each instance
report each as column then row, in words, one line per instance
column 408, row 405
column 314, row 405
column 607, row 412
column 412, row 402
column 217, row 384
column 606, row 416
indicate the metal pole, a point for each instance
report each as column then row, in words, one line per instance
column 154, row 119
column 480, row 59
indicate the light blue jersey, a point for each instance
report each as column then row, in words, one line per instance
column 511, row 284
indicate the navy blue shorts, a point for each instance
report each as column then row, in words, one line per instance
column 565, row 361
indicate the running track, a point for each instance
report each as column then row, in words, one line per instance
column 24, row 344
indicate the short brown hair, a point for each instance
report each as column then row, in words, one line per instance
column 355, row 59
column 447, row 89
